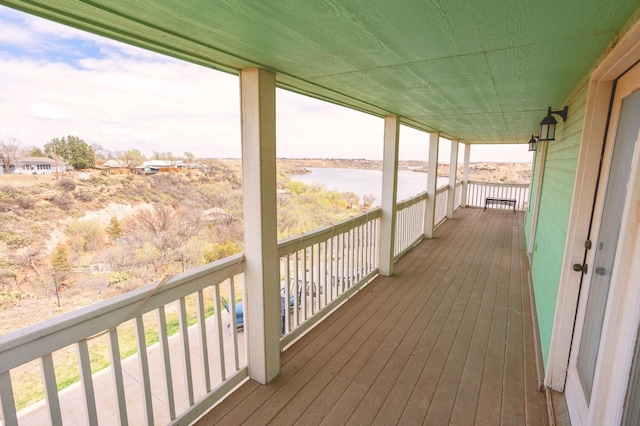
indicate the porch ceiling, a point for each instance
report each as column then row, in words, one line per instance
column 481, row 72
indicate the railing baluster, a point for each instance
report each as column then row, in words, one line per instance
column 345, row 260
column 316, row 278
column 86, row 380
column 164, row 350
column 305, row 285
column 351, row 254
column 186, row 352
column 402, row 241
column 143, row 364
column 368, row 247
column 360, row 252
column 51, row 389
column 219, row 333
column 325, row 272
column 9, row 416
column 296, row 284
column 234, row 328
column 203, row 340
column 312, row 275
column 333, row 271
column 340, row 265
column 318, row 284
column 116, row 370
column 287, row 293
column 354, row 255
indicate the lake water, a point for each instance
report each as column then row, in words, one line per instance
column 363, row 182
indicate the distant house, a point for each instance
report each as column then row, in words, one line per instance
column 146, row 170
column 38, row 166
column 154, row 166
column 113, row 167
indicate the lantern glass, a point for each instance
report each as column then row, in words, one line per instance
column 548, row 128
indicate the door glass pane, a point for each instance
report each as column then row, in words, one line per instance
column 605, row 247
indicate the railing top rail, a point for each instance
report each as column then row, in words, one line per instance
column 21, row 346
column 411, row 201
column 442, row 189
column 517, row 185
column 459, row 183
column 293, row 244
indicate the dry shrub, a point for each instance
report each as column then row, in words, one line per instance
column 25, row 202
column 85, row 235
column 83, row 196
column 8, row 189
column 67, row 184
column 63, row 201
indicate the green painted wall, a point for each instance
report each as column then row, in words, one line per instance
column 553, row 217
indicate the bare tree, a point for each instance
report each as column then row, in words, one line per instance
column 101, row 154
column 129, row 159
column 172, row 160
column 161, row 233
column 189, row 158
column 9, row 152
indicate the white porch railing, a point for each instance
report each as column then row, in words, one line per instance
column 477, row 192
column 171, row 381
column 409, row 223
column 442, row 195
column 320, row 270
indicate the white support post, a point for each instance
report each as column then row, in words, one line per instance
column 389, row 194
column 262, row 297
column 432, row 182
column 465, row 175
column 453, row 176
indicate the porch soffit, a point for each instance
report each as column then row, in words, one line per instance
column 481, row 72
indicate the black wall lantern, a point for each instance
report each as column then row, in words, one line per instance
column 548, row 124
column 533, row 144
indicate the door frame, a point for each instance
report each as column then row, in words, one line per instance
column 615, row 335
column 624, row 55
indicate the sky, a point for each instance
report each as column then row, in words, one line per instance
column 57, row 81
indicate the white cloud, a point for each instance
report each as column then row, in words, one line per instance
column 13, row 34
column 45, row 111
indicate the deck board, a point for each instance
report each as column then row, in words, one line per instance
column 446, row 340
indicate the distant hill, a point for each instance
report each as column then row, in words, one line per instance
column 484, row 172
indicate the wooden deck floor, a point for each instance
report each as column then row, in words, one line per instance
column 447, row 340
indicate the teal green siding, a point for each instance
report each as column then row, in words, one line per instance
column 553, row 217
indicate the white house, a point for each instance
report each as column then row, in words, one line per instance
column 38, row 166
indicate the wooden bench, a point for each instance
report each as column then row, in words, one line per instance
column 501, row 201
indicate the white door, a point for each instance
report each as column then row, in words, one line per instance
column 591, row 348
